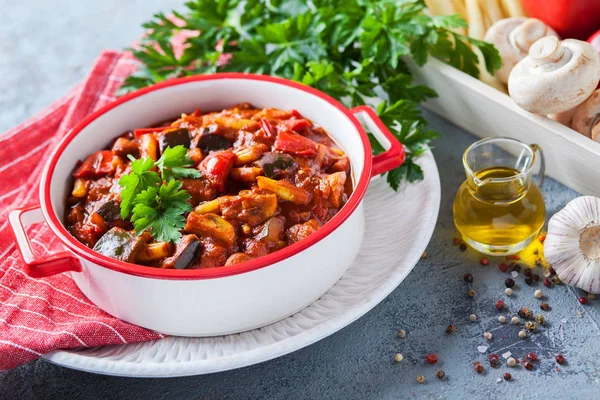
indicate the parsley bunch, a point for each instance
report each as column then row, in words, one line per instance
column 156, row 201
column 350, row 49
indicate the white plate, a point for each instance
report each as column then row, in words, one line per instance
column 398, row 228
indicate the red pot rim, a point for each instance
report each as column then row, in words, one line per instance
column 143, row 271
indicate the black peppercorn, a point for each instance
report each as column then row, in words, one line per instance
column 468, row 278
column 529, row 281
column 516, row 268
column 463, row 247
column 535, row 277
column 527, row 272
column 509, row 282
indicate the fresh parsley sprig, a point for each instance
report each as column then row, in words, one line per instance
column 350, row 49
column 156, row 201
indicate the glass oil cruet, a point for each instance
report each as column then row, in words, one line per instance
column 499, row 209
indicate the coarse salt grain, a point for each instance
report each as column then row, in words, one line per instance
column 514, row 274
column 506, row 355
column 482, row 349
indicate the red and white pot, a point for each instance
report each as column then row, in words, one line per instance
column 216, row 301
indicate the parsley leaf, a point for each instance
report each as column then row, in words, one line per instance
column 172, row 162
column 351, row 49
column 138, row 180
column 161, row 209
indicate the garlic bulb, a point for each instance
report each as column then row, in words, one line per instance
column 572, row 245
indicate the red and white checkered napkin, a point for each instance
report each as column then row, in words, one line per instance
column 41, row 315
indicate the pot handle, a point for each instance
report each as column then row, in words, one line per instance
column 394, row 155
column 39, row 266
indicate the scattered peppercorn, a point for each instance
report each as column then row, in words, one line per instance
column 424, row 255
column 511, row 362
column 547, row 282
column 583, row 300
column 451, row 329
column 521, row 312
column 591, row 296
column 535, row 277
column 468, row 278
column 542, row 238
column 471, row 293
column 494, row 360
column 560, row 359
column 502, row 319
column 527, row 365
column 499, row 305
column 508, row 291
column 420, row 378
column 515, row 267
column 531, row 326
column 478, row 367
column 527, row 272
column 522, row 334
column 556, row 280
column 515, row 320
column 503, row 267
column 473, row 317
column 484, row 261
column 545, row 306
column 509, row 282
column 487, row 335
column 398, row 357
column 513, row 257
column 440, row 374
column 463, row 247
column 507, row 376
column 540, row 319
column 531, row 357
column 538, row 261
column 401, row 333
column 538, row 294
column 552, row 271
column 431, row 358
column 528, row 281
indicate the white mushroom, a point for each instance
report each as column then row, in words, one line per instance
column 587, row 117
column 556, row 76
column 513, row 37
column 572, row 245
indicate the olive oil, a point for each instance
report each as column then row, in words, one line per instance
column 499, row 210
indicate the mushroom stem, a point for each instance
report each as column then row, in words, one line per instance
column 589, row 242
column 528, row 33
column 547, row 50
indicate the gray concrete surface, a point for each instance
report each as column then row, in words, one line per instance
column 47, row 46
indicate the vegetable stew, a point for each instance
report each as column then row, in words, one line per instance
column 208, row 190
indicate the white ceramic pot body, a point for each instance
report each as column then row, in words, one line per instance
column 219, row 300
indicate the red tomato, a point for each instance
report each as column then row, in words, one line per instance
column 97, row 165
column 294, row 124
column 216, row 167
column 292, row 143
column 569, row 18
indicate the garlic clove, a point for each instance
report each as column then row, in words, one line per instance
column 572, row 245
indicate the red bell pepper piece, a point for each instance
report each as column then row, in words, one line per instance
column 296, row 114
column 294, row 124
column 96, row 165
column 142, row 131
column 216, row 167
column 288, row 142
column 575, row 19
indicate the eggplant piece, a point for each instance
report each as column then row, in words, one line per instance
column 174, row 138
column 211, row 142
column 277, row 165
column 109, row 211
column 121, row 245
column 186, row 252
column 272, row 230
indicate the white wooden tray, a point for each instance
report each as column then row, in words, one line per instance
column 571, row 158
